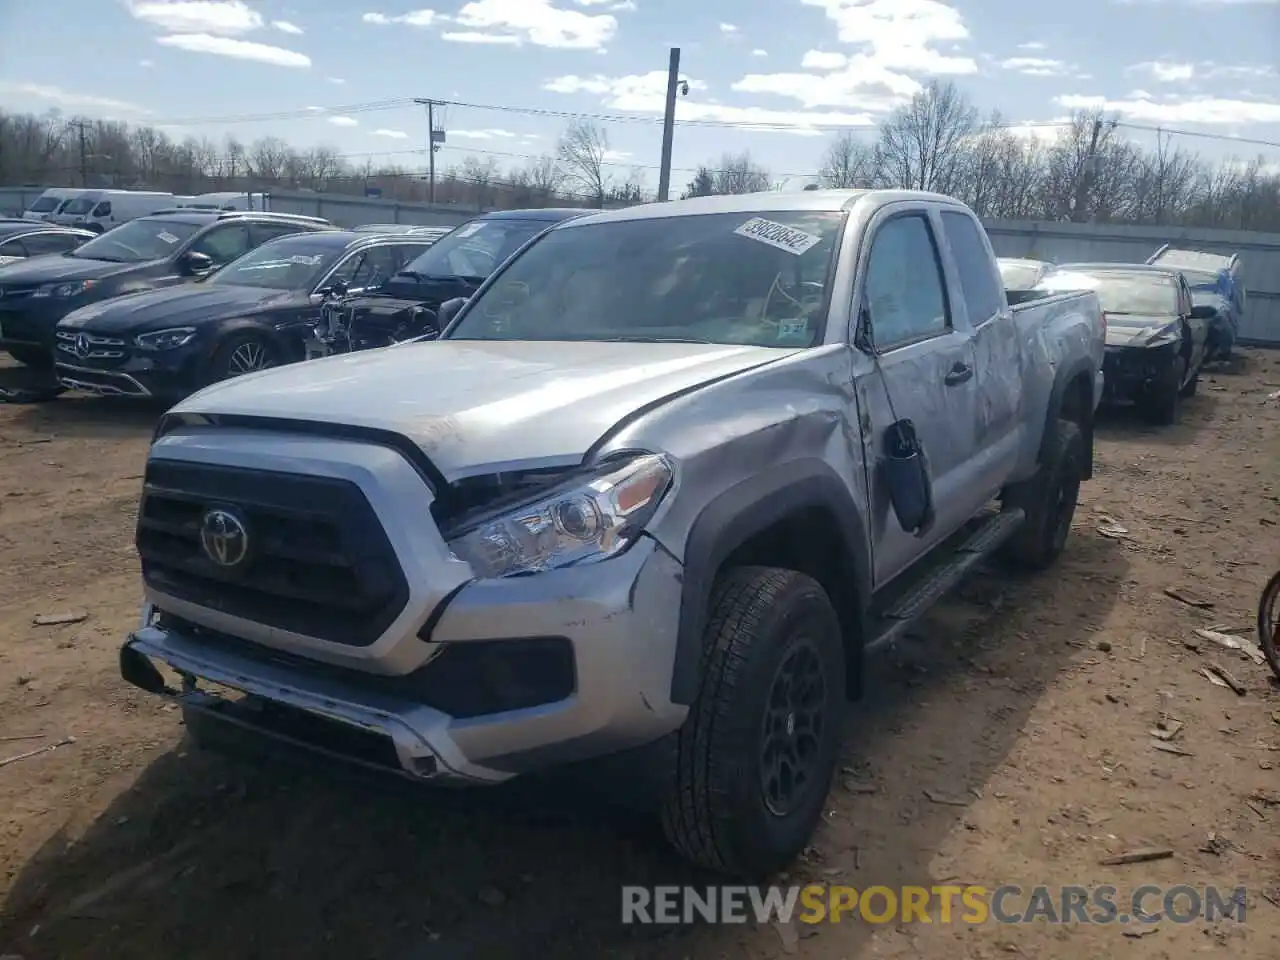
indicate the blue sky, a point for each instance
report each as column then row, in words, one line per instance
column 343, row 74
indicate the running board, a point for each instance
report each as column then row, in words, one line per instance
column 941, row 579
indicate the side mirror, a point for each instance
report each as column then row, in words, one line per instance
column 1203, row 312
column 336, row 287
column 448, row 310
column 195, row 263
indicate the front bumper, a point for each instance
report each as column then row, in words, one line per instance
column 108, row 365
column 618, row 617
column 1131, row 372
column 27, row 321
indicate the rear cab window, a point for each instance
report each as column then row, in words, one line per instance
column 979, row 280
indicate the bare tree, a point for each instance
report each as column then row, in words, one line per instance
column 269, row 158
column 739, row 174
column 545, row 177
column 848, row 162
column 478, row 176
column 703, row 184
column 582, row 151
column 922, row 145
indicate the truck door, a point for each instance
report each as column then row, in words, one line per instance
column 997, row 371
column 923, row 371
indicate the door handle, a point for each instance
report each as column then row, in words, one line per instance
column 960, row 372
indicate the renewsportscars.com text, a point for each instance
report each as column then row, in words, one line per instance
column 942, row 904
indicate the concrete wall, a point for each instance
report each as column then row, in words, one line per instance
column 1060, row 242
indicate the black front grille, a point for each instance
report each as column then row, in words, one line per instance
column 319, row 563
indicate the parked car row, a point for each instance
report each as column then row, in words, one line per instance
column 646, row 501
column 1166, row 318
column 100, row 210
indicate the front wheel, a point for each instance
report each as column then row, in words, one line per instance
column 756, row 754
column 240, row 354
column 1269, row 623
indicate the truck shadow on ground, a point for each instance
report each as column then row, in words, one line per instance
column 205, row 858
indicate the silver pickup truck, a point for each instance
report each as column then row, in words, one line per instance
column 646, row 504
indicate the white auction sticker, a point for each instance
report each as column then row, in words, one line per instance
column 790, row 329
column 468, row 230
column 777, row 235
column 167, row 237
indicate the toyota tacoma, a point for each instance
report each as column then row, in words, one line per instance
column 659, row 487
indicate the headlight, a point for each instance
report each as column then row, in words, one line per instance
column 63, row 291
column 1168, row 332
column 590, row 520
column 166, row 339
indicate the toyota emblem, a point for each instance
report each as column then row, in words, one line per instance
column 224, row 537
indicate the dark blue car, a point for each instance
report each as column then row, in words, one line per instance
column 1215, row 281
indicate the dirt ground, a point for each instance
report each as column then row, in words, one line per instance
column 1025, row 706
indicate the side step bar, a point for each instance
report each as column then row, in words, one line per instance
column 939, row 581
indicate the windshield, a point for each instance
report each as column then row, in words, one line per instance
column 44, row 204
column 731, row 278
column 290, row 263
column 1019, row 276
column 1201, row 279
column 475, row 249
column 78, row 205
column 1143, row 295
column 138, row 241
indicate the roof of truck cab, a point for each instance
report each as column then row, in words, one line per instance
column 771, row 201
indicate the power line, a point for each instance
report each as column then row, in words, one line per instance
column 1220, row 137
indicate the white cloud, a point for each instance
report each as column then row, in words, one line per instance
column 344, row 121
column 146, row 63
column 1033, row 131
column 728, row 28
column 757, row 52
column 390, row 134
column 623, row 6
column 336, row 81
column 1031, row 45
column 646, row 93
column 490, row 134
column 1035, row 66
column 1203, row 110
column 475, row 36
column 892, row 40
column 615, row 156
column 315, row 109
column 67, row 98
column 1239, row 72
column 284, row 26
column 540, row 22
column 821, row 60
column 414, row 18
column 197, row 16
column 1163, row 71
column 236, row 49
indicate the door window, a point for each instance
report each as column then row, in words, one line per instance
column 262, row 232
column 979, row 279
column 41, row 243
column 223, row 244
column 103, row 209
column 904, row 290
column 370, row 267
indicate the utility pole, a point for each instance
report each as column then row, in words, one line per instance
column 434, row 139
column 1084, row 185
column 669, row 123
column 84, row 151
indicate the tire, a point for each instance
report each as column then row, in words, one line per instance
column 715, row 812
column 1269, row 623
column 1049, row 500
column 226, row 361
column 1160, row 405
column 32, row 357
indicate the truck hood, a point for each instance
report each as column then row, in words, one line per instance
column 180, row 306
column 1129, row 330
column 476, row 406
